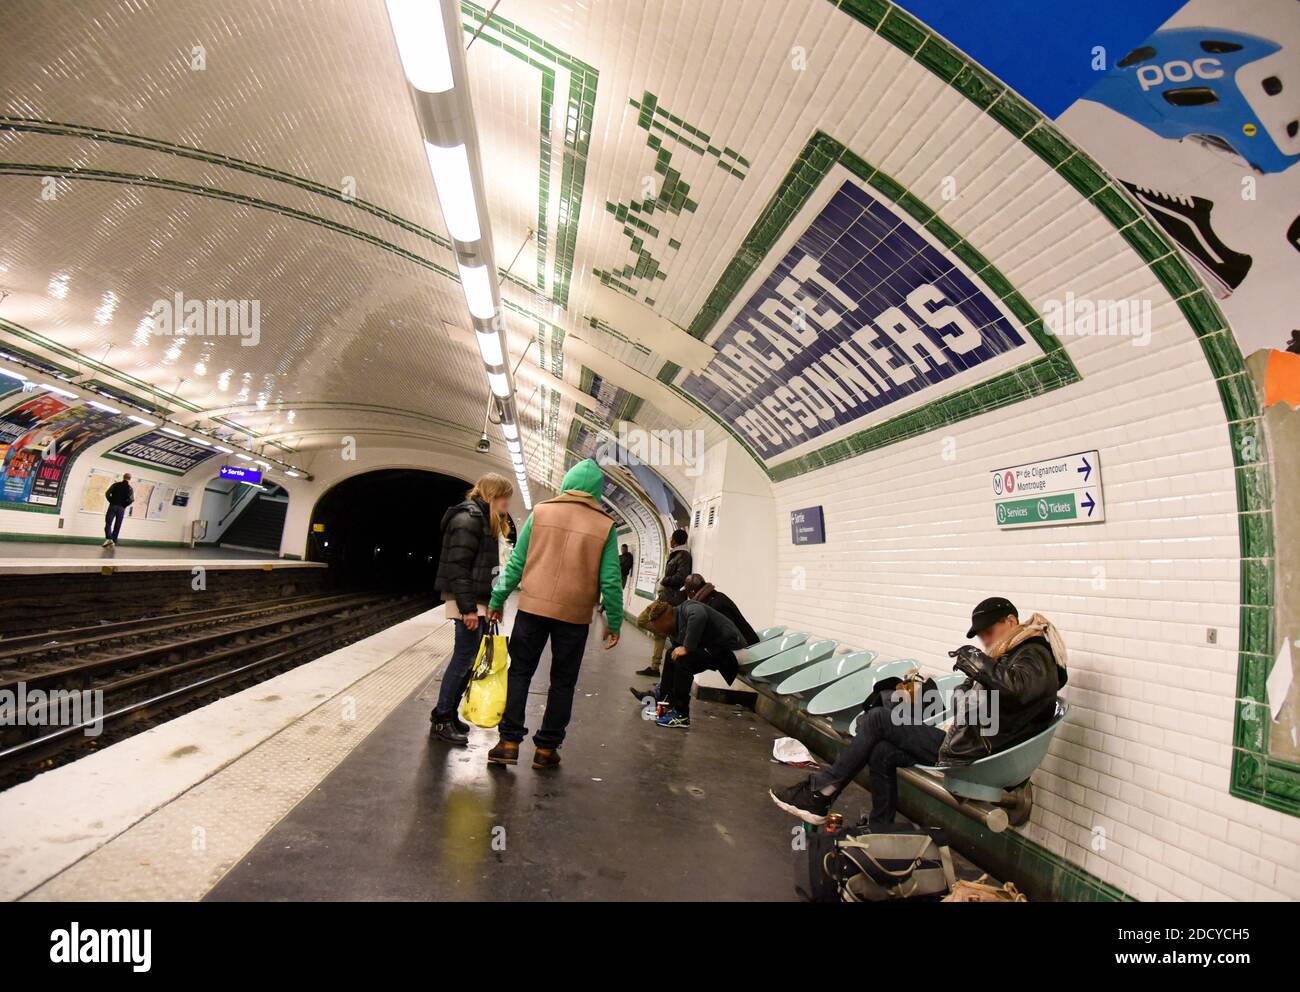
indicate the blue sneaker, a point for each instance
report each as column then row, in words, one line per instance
column 674, row 720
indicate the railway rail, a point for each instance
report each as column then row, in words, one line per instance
column 137, row 673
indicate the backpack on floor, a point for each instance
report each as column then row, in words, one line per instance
column 874, row 864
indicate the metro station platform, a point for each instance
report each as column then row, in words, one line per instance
column 40, row 557
column 322, row 784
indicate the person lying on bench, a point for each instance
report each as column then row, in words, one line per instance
column 703, row 640
column 1014, row 679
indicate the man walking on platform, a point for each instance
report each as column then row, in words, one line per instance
column 120, row 495
column 566, row 558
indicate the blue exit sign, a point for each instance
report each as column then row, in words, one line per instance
column 808, row 526
column 249, row 475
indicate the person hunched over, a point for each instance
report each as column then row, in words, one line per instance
column 467, row 566
column 703, row 640
column 566, row 559
column 1023, row 665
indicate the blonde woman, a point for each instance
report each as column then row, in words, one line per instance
column 467, row 566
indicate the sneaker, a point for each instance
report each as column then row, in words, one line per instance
column 803, row 801
column 649, row 673
column 546, row 757
column 107, row 544
column 445, row 730
column 646, row 696
column 674, row 720
column 1186, row 219
column 505, row 753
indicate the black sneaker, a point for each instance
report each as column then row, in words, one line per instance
column 445, row 730
column 803, row 801
column 642, row 695
column 1186, row 219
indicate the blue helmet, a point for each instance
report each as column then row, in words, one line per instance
column 1224, row 88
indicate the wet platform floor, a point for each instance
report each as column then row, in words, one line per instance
column 634, row 812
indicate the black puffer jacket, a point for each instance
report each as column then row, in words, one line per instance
column 469, row 561
column 670, row 586
column 1025, row 679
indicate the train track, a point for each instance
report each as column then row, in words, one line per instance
column 137, row 673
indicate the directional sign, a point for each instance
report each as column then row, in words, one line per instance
column 808, row 526
column 250, row 475
column 1051, row 491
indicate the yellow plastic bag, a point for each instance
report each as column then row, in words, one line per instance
column 485, row 699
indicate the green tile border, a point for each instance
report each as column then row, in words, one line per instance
column 814, row 162
column 580, row 104
column 1256, row 775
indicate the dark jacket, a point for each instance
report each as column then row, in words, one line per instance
column 701, row 627
column 1026, row 680
column 675, row 571
column 625, row 564
column 120, row 494
column 468, row 563
column 720, row 601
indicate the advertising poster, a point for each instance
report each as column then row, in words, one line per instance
column 40, row 439
column 1199, row 122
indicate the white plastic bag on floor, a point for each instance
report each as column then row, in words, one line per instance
column 789, row 751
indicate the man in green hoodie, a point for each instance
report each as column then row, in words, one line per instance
column 566, row 557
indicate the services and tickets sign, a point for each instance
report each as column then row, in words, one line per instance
column 1062, row 490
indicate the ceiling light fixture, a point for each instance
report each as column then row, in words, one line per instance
column 422, row 44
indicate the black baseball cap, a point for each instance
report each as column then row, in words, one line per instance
column 990, row 612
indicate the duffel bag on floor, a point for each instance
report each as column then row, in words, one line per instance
column 876, row 864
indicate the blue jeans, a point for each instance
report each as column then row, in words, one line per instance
column 455, row 680
column 885, row 745
column 527, row 640
column 113, row 522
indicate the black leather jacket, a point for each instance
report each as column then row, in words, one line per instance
column 1025, row 679
column 469, row 562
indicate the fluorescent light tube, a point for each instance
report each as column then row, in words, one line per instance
column 511, row 431
column 489, row 346
column 450, row 168
column 500, row 384
column 173, row 433
column 478, row 290
column 422, row 44
column 103, row 406
column 56, row 389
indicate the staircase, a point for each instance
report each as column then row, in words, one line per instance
column 259, row 526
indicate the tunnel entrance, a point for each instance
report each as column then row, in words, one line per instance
column 381, row 529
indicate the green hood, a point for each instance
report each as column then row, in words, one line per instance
column 585, row 476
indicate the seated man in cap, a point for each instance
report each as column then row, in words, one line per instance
column 703, row 639
column 1015, row 679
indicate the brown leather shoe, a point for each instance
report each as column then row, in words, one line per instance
column 546, row 757
column 505, row 753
